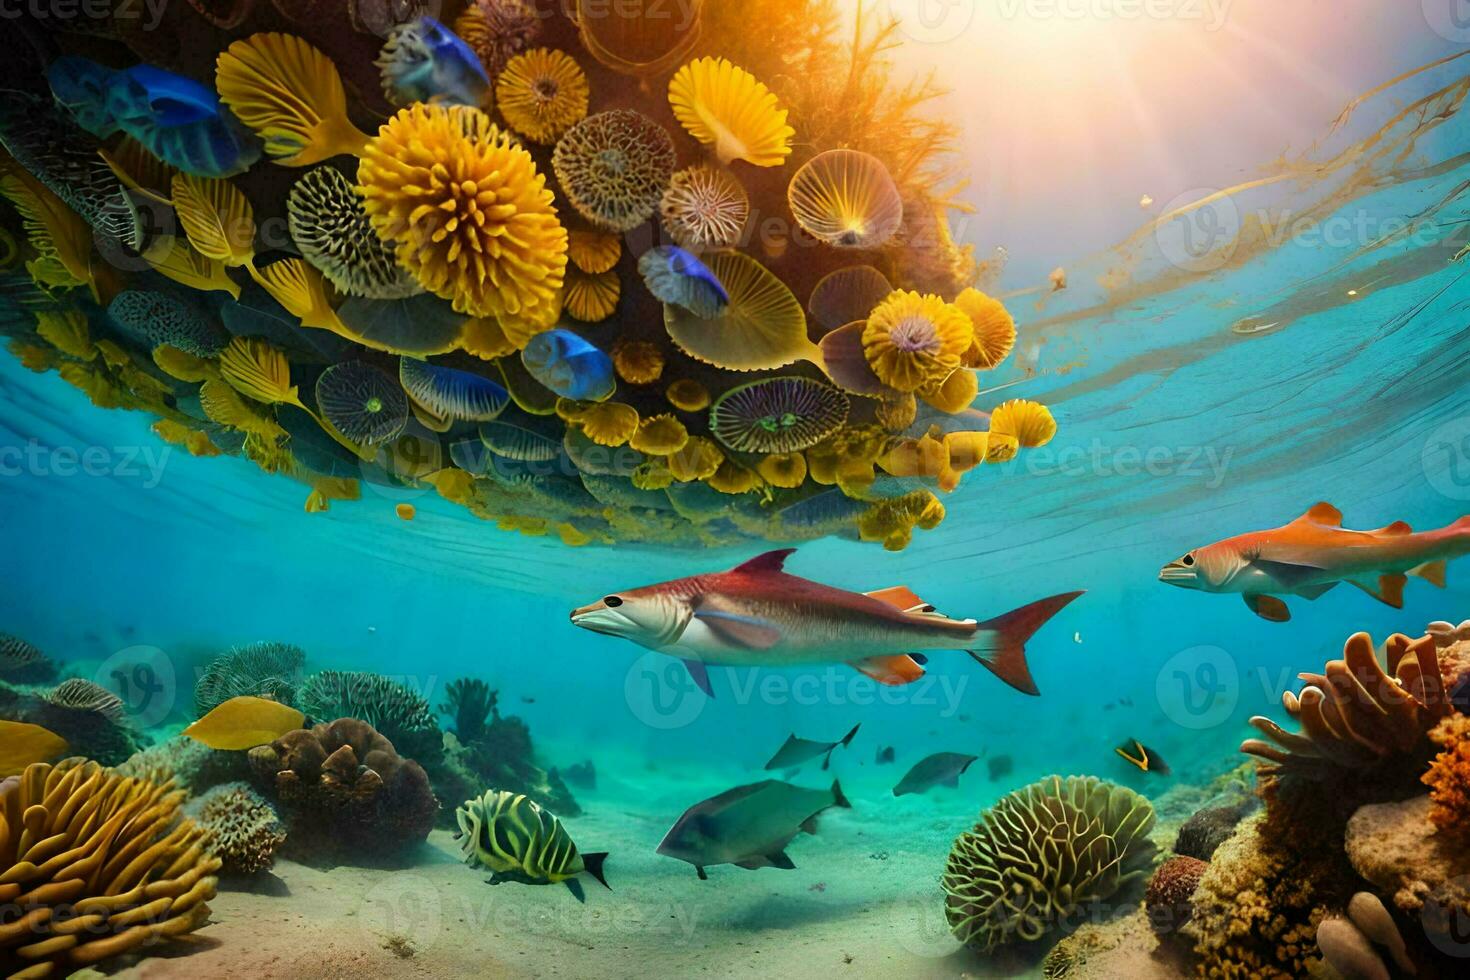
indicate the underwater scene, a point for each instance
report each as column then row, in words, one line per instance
column 735, row 488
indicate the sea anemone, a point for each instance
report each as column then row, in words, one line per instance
column 676, row 276
column 778, row 415
column 995, row 329
column 784, row 470
column 498, row 30
column 467, row 212
column 614, row 167
column 705, row 208
column 848, row 296
column 592, row 297
column 912, row 340
column 609, row 423
column 262, row 670
column 660, row 435
column 594, row 252
column 687, row 395
column 638, row 362
column 724, row 105
column 542, row 93
column 160, row 318
column 846, row 198
column 636, row 37
column 361, row 402
column 698, row 460
column 569, row 365
column 760, row 329
column 1031, row 423
column 291, row 95
column 1040, row 854
column 451, row 393
column 332, row 230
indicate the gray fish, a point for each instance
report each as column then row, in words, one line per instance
column 939, row 769
column 799, row 750
column 748, row 826
column 885, row 756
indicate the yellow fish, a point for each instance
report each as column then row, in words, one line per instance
column 22, row 744
column 245, row 722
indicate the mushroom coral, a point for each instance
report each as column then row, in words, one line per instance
column 95, row 865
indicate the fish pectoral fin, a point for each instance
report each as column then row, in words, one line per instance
column 700, row 673
column 1388, row 589
column 1315, row 591
column 1289, row 575
column 1268, row 607
column 699, row 870
column 746, row 632
column 895, row 670
column 1324, row 514
column 809, row 825
column 575, row 887
column 781, row 860
column 1433, row 572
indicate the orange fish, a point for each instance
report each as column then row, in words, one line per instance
column 1313, row 554
column 406, row 512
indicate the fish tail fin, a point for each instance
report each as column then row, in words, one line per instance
column 847, row 739
column 838, row 797
column 592, row 864
column 1003, row 640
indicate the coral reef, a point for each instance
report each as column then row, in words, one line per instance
column 86, row 715
column 1448, row 777
column 470, row 702
column 344, row 790
column 244, row 831
column 1042, row 853
column 190, row 765
column 96, row 865
column 1399, row 849
column 400, row 714
column 22, row 663
column 1169, row 892
column 264, row 670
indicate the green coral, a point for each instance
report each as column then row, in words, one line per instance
column 264, row 670
column 1042, row 854
column 399, row 714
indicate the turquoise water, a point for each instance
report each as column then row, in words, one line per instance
column 1175, row 431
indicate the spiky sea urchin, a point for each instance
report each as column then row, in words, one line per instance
column 1042, row 853
column 332, row 230
column 614, row 167
column 705, row 207
column 264, row 670
column 466, row 211
column 778, row 415
column 542, row 93
column 399, row 714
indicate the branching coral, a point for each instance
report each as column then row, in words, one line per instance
column 264, row 670
column 343, row 785
column 95, row 865
column 1448, row 777
column 470, row 702
column 1040, row 854
column 244, row 831
column 401, row 715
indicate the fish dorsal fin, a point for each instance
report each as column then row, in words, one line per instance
column 766, row 564
column 1395, row 529
column 1324, row 514
column 898, row 596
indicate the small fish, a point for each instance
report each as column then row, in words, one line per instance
column 885, row 756
column 22, row 745
column 1146, row 759
column 569, row 365
column 999, row 766
column 939, row 769
column 758, row 615
column 245, row 722
column 1313, row 554
column 517, row 840
column 748, row 826
column 424, row 61
column 406, row 512
column 795, row 751
column 678, row 277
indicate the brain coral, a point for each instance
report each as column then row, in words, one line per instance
column 96, row 865
column 245, row 832
column 401, row 715
column 1042, row 853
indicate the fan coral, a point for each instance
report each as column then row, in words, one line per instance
column 848, row 296
column 847, row 199
column 594, row 252
column 332, row 230
column 401, row 715
column 761, row 328
column 1448, row 777
column 470, row 702
column 614, row 167
column 77, row 694
column 1031, row 424
column 244, row 831
column 542, row 93
column 592, row 298
column 725, row 106
column 705, row 208
column 498, row 30
column 913, row 340
column 364, row 404
column 22, row 663
column 661, row 435
column 264, row 670
column 467, row 212
column 995, row 330
column 158, row 318
column 344, row 786
column 778, row 415
column 100, row 864
column 1041, row 853
column 1169, row 892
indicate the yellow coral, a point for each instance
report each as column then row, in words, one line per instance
column 995, row 329
column 893, row 521
column 688, row 395
column 785, row 470
column 467, row 212
column 912, row 340
column 638, row 362
column 609, row 423
column 594, row 252
column 181, row 365
column 592, row 298
column 542, row 93
column 698, row 460
column 660, row 435
column 955, row 393
column 1029, row 422
column 725, row 106
column 732, row 478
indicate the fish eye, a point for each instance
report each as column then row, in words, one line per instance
column 1187, row 559
column 612, row 602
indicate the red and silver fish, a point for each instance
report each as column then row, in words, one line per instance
column 1313, row 554
column 758, row 615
